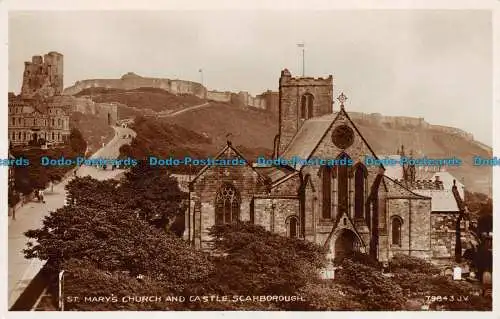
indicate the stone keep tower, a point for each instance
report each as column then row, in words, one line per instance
column 301, row 98
column 43, row 76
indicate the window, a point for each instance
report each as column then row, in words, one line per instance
column 53, row 136
column 397, row 222
column 53, row 122
column 19, row 135
column 343, row 186
column 59, row 122
column 327, row 191
column 293, row 227
column 227, row 205
column 307, row 106
column 360, row 174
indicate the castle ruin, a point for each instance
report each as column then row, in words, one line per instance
column 43, row 76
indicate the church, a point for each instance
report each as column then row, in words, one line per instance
column 344, row 208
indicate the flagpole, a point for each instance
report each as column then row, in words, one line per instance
column 303, row 62
column 302, row 45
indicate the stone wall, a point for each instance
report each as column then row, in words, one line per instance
column 415, row 230
column 218, row 96
column 273, row 213
column 43, row 76
column 403, row 122
column 132, row 81
column 443, row 235
column 86, row 106
column 205, row 188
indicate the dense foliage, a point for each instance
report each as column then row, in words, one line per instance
column 37, row 176
column 150, row 192
column 263, row 262
column 109, row 250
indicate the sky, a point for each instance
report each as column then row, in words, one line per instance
column 435, row 64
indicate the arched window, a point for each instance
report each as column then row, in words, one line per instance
column 310, row 104
column 227, row 205
column 343, row 186
column 327, row 192
column 303, row 107
column 396, row 230
column 293, row 227
column 360, row 174
column 307, row 106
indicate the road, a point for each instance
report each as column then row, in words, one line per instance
column 191, row 108
column 20, row 270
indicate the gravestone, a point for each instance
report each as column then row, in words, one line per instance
column 457, row 273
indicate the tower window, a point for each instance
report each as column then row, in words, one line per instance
column 227, row 205
column 307, row 106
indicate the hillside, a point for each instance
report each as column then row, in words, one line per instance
column 142, row 98
column 254, row 131
column 203, row 132
column 93, row 129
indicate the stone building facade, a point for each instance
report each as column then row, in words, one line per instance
column 340, row 203
column 35, row 119
column 37, row 113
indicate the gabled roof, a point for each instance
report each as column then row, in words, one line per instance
column 219, row 155
column 312, row 132
column 308, row 137
column 442, row 200
column 275, row 173
column 395, row 189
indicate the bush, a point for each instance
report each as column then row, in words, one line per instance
column 360, row 258
column 370, row 287
column 412, row 264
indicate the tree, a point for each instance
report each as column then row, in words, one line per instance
column 114, row 239
column 77, row 142
column 157, row 194
column 254, row 261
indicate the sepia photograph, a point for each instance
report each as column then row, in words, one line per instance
column 263, row 160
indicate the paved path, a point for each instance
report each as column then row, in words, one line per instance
column 31, row 215
column 161, row 114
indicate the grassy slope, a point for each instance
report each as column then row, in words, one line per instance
column 94, row 129
column 151, row 98
column 253, row 131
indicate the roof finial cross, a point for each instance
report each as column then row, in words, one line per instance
column 342, row 98
column 228, row 138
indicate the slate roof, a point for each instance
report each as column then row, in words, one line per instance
column 395, row 189
column 308, row 137
column 442, row 200
column 275, row 173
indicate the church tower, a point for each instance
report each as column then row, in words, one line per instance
column 300, row 98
